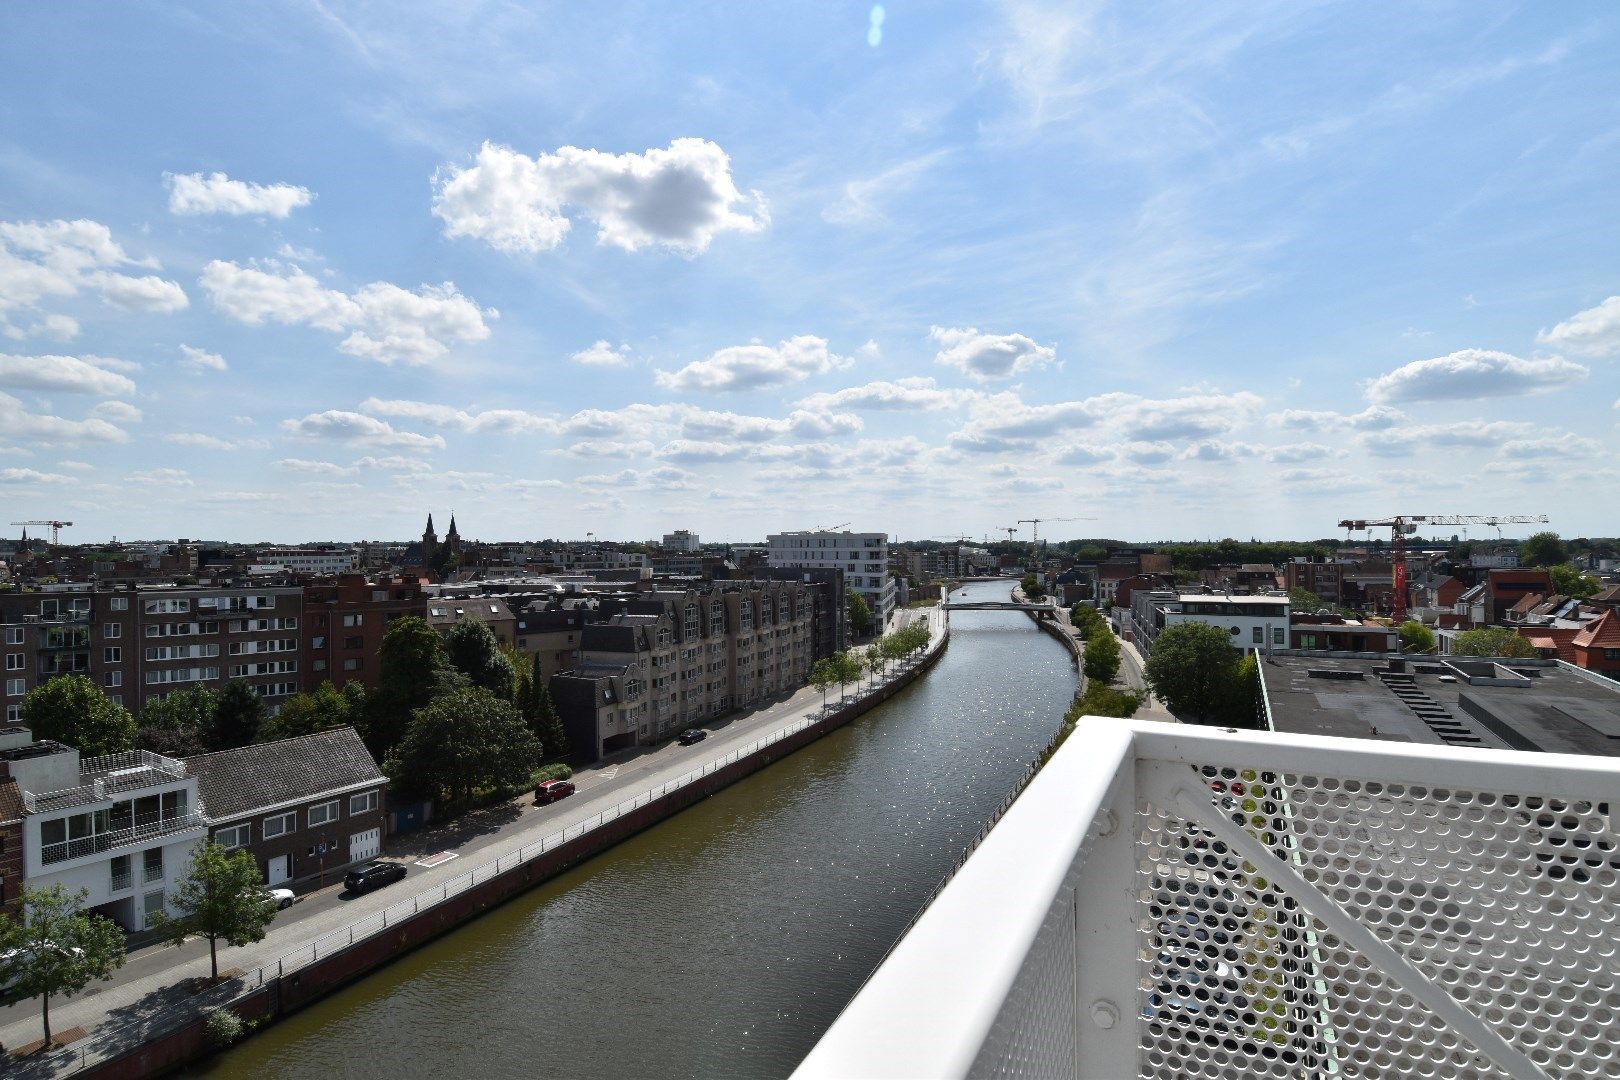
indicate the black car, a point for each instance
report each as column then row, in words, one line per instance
column 373, row 876
column 692, row 735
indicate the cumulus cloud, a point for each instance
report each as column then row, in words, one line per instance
column 201, row 359
column 357, row 429
column 1593, row 332
column 201, row 441
column 908, row 394
column 68, row 374
column 1473, row 373
column 1568, row 446
column 161, row 478
column 1464, row 434
column 1190, row 417
column 316, row 468
column 679, row 197
column 32, row 476
column 45, row 260
column 117, row 412
column 985, row 357
column 507, row 421
column 697, row 452
column 1373, row 418
column 19, row 424
column 1301, row 452
column 756, row 366
column 608, row 448
column 602, row 354
column 1001, row 422
column 216, row 193
column 386, row 323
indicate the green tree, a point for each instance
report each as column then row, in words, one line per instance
column 1568, row 580
column 1101, row 658
column 322, row 709
column 413, row 665
column 1493, row 641
column 1543, row 549
column 822, row 676
column 55, row 948
column 1240, row 705
column 845, row 670
column 473, row 650
column 860, row 613
column 74, row 710
column 464, row 742
column 1415, row 637
column 539, row 711
column 190, row 711
column 169, row 743
column 237, row 718
column 1192, row 669
column 1033, row 589
column 223, row 898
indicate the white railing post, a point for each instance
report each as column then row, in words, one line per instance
column 1105, row 938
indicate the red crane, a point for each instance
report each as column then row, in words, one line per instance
column 1403, row 525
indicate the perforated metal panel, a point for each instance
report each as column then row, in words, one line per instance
column 1034, row 1034
column 1506, row 902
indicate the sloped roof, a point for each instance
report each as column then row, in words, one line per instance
column 1601, row 633
column 235, row 783
column 11, row 804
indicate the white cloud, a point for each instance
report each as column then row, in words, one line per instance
column 756, row 366
column 32, row 476
column 68, row 374
column 19, row 424
column 1300, row 452
column 200, row 441
column 984, row 357
column 201, row 359
column 44, row 260
column 697, row 452
column 1463, row 434
column 162, row 478
column 1373, row 418
column 864, row 199
column 506, row 421
column 316, row 468
column 911, row 393
column 1473, row 373
column 1567, row 446
column 216, row 193
column 1593, row 332
column 602, row 354
column 680, row 197
column 355, row 428
column 608, row 448
column 1002, row 422
column 117, row 412
column 1190, row 417
column 386, row 323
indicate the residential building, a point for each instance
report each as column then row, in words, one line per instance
column 311, row 561
column 550, row 629
column 306, row 807
column 11, row 842
column 448, row 605
column 345, row 621
column 1251, row 622
column 682, row 540
column 864, row 558
column 828, row 623
column 1597, row 647
column 120, row 828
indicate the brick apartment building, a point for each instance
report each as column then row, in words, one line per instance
column 345, row 620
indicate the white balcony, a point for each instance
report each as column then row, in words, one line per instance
column 1166, row 901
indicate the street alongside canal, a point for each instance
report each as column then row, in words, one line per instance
column 721, row 942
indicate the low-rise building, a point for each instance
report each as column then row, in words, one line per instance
column 1251, row 622
column 306, row 807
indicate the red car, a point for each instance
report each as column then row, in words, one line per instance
column 549, row 791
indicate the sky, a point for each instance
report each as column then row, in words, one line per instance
column 311, row 270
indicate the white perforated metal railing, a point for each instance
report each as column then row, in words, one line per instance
column 1168, row 901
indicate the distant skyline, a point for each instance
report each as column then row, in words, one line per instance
column 287, row 271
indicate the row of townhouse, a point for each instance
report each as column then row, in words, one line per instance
column 665, row 660
column 122, row 828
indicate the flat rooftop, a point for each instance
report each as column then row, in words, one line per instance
column 1554, row 711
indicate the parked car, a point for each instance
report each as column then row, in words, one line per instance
column 282, row 898
column 692, row 735
column 13, row 963
column 549, row 791
column 373, row 876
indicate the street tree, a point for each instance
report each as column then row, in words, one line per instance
column 1568, row 580
column 1101, row 658
column 464, row 742
column 860, row 613
column 1032, row 587
column 190, row 710
column 1543, row 549
column 846, row 669
column 223, row 897
column 1415, row 637
column 822, row 676
column 1493, row 641
column 73, row 710
column 322, row 709
column 55, row 948
column 472, row 649
column 237, row 717
column 1192, row 669
column 412, row 664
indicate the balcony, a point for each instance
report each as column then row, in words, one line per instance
column 103, row 777
column 1167, row 901
column 143, row 831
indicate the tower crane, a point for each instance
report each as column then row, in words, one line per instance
column 56, row 528
column 1035, row 529
column 1403, row 525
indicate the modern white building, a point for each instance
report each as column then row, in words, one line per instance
column 682, row 540
column 120, row 827
column 1251, row 622
column 317, row 561
column 863, row 557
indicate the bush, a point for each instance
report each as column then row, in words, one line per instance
column 555, row 771
column 222, row 1028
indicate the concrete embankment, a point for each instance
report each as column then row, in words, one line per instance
column 281, row 994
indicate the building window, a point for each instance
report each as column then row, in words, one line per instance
column 16, row 687
column 114, row 678
column 1277, row 633
column 318, row 641
column 112, row 631
column 234, row 837
column 13, row 714
column 15, row 662
column 118, row 603
column 1259, row 635
column 320, row 665
column 363, row 803
column 353, row 620
column 112, row 654
column 14, row 635
column 152, row 861
column 353, row 663
column 324, row 813
column 354, row 643
column 280, row 825
column 152, row 907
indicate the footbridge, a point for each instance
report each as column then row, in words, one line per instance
column 997, row 605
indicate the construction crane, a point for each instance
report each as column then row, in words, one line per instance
column 56, row 528
column 1035, row 529
column 1403, row 525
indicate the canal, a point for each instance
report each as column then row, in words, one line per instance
column 724, row 941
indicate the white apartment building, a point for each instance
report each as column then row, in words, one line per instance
column 120, row 827
column 863, row 557
column 1251, row 622
column 317, row 561
column 682, row 540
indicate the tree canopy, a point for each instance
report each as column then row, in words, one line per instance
column 539, row 712
column 1493, row 641
column 1568, row 580
column 464, row 742
column 413, row 666
column 73, row 710
column 1101, row 658
column 1415, row 637
column 55, row 948
column 860, row 613
column 1544, row 548
column 1192, row 669
column 237, row 716
column 322, row 709
column 223, row 898
column 473, row 650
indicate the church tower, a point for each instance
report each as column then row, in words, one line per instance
column 430, row 541
column 452, row 539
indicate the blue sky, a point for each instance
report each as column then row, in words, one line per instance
column 298, row 271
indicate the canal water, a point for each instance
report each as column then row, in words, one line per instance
column 724, row 941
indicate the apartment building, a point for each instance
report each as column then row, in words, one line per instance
column 863, row 557
column 666, row 660
column 312, row 561
column 141, row 643
column 344, row 623
column 681, row 540
column 1252, row 622
column 120, row 828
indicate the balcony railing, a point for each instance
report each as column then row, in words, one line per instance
column 1167, row 901
column 143, row 831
